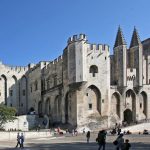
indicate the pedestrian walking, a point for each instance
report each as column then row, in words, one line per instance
column 101, row 139
column 18, row 139
column 119, row 142
column 88, row 136
column 22, row 140
column 126, row 145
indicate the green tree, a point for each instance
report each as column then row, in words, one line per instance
column 7, row 114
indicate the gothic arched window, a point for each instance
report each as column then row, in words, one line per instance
column 93, row 70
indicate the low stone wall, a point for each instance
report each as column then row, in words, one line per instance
column 8, row 136
column 138, row 128
column 23, row 123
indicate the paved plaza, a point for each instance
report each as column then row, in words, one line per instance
column 139, row 142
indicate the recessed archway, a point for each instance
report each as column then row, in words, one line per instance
column 4, row 90
column 128, row 116
column 67, row 108
column 57, row 108
column 130, row 103
column 93, row 99
column 143, row 103
column 40, row 107
column 47, row 106
column 115, row 104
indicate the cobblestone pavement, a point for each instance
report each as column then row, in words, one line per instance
column 138, row 142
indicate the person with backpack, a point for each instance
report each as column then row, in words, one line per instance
column 119, row 142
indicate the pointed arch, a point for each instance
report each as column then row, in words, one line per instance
column 143, row 103
column 130, row 102
column 47, row 106
column 23, row 94
column 15, row 78
column 93, row 98
column 4, row 91
column 57, row 108
column 40, row 107
column 13, row 91
column 67, row 107
column 115, row 104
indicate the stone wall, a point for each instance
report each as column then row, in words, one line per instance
column 23, row 123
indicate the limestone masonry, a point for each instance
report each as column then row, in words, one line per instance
column 84, row 86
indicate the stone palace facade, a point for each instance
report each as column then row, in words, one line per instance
column 84, row 86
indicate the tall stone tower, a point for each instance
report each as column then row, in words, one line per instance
column 77, row 59
column 136, row 57
column 120, row 58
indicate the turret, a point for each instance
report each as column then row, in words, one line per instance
column 120, row 50
column 136, row 56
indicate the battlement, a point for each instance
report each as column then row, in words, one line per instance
column 17, row 69
column 98, row 47
column 52, row 63
column 76, row 38
column 57, row 60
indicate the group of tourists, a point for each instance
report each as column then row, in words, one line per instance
column 20, row 140
column 119, row 142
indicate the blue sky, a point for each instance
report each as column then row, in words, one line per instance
column 36, row 30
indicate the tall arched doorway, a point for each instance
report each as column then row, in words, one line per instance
column 13, row 91
column 40, row 107
column 115, row 104
column 67, row 108
column 143, row 104
column 47, row 106
column 57, row 109
column 128, row 116
column 3, row 89
column 93, row 99
column 23, row 94
column 130, row 103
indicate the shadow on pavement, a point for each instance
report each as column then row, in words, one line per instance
column 77, row 146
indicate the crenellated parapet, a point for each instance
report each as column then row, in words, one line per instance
column 98, row 47
column 76, row 38
column 14, row 69
column 53, row 63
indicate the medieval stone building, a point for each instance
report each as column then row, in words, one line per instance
column 84, row 86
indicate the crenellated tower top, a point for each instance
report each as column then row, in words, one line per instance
column 76, row 38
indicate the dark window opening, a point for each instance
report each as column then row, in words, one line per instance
column 11, row 92
column 93, row 70
column 55, row 80
column 36, row 85
column 31, row 89
column 140, row 105
column 86, row 94
column 131, row 69
column 23, row 92
column 90, row 106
